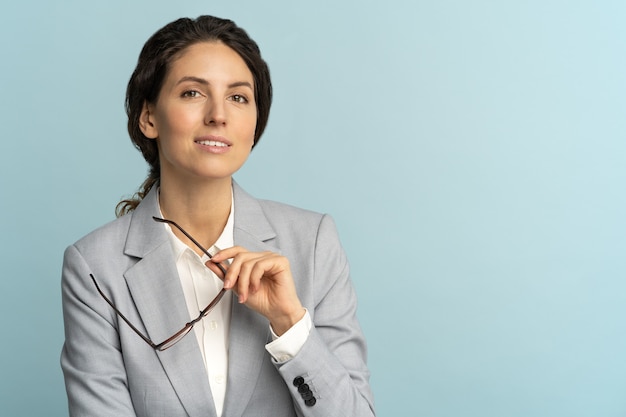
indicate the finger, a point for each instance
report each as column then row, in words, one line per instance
column 240, row 266
column 245, row 283
column 257, row 272
column 270, row 265
column 228, row 253
column 217, row 269
column 231, row 276
column 263, row 271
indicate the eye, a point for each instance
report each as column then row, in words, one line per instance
column 238, row 98
column 190, row 94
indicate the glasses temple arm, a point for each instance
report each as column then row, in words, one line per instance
column 145, row 339
column 206, row 252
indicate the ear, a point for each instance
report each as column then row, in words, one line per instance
column 147, row 123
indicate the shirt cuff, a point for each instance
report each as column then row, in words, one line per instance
column 288, row 345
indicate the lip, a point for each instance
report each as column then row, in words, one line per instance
column 213, row 144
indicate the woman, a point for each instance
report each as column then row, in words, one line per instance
column 284, row 339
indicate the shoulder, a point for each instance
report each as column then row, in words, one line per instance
column 99, row 252
column 114, row 236
column 107, row 235
column 286, row 213
column 306, row 227
column 259, row 216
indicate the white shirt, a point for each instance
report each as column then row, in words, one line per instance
column 200, row 286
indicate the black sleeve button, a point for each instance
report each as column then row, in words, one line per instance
column 305, row 391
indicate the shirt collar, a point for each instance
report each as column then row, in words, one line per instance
column 225, row 240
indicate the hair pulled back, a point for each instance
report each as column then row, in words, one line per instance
column 154, row 62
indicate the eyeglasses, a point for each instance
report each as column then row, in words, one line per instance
column 176, row 337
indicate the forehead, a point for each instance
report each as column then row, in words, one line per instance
column 209, row 59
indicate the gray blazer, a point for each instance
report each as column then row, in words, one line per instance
column 110, row 371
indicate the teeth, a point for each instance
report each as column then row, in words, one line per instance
column 212, row 143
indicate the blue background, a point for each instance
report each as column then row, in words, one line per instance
column 472, row 154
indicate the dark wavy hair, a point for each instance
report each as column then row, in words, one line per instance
column 154, row 62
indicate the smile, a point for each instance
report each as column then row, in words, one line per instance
column 212, row 143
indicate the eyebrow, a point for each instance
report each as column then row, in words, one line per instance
column 205, row 82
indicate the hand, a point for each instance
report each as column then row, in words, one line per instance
column 263, row 282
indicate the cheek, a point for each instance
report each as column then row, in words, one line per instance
column 174, row 118
column 179, row 121
column 251, row 136
column 252, row 127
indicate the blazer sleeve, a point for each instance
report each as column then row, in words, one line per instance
column 331, row 366
column 91, row 359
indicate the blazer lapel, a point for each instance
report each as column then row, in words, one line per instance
column 249, row 331
column 158, row 295
column 155, row 287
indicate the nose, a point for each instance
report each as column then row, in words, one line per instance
column 215, row 113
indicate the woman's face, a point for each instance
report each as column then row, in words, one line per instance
column 205, row 116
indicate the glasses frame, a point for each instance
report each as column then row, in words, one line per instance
column 178, row 336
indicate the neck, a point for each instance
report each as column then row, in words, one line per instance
column 201, row 209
